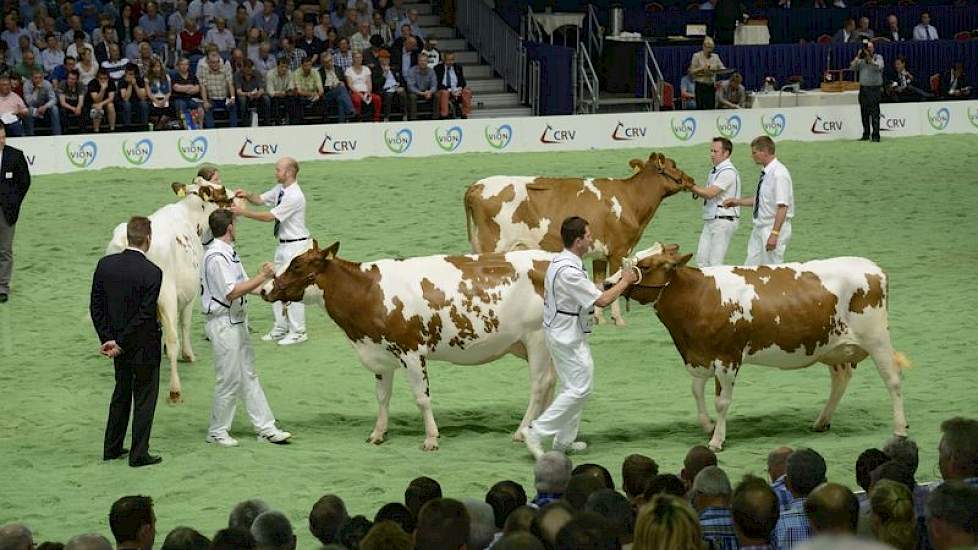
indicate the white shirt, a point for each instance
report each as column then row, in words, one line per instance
column 358, row 81
column 223, row 40
column 290, row 211
column 221, row 272
column 925, row 32
column 727, row 178
column 776, row 190
column 568, row 298
column 203, row 12
column 72, row 50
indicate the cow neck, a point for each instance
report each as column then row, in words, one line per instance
column 643, row 202
column 683, row 283
column 345, row 289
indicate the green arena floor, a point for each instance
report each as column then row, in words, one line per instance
column 905, row 203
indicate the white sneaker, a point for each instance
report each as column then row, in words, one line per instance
column 293, row 338
column 532, row 441
column 222, row 440
column 276, row 436
column 575, row 447
column 274, row 336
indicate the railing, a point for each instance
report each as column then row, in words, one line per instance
column 495, row 41
column 588, row 96
column 534, row 87
column 531, row 28
column 594, row 37
column 653, row 79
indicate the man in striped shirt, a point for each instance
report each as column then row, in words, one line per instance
column 805, row 471
column 777, row 461
column 711, row 499
column 755, row 511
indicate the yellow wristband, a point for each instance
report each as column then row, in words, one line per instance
column 775, row 232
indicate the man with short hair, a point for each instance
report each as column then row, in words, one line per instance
column 42, row 103
column 900, row 86
column 636, row 472
column 308, row 86
column 697, row 458
column 220, row 36
column 777, row 463
column 71, row 100
column 774, row 206
column 101, row 98
column 863, row 32
column 154, row 25
column 419, row 492
column 334, row 90
column 267, row 19
column 711, row 499
column 805, row 471
column 273, row 531
column 551, row 474
column 88, row 541
column 310, row 43
column 924, row 30
column 958, row 450
column 360, row 40
column 443, row 524
column 412, row 21
column 16, row 536
column 132, row 96
column 451, row 86
column 243, row 514
column 421, row 86
column 755, row 510
column 832, row 509
column 616, row 510
column 52, row 56
column 719, row 223
column 343, row 56
column 217, row 89
column 293, row 54
column 250, row 87
column 133, row 522
column 952, row 516
column 893, row 32
column 569, row 301
column 280, row 87
column 28, row 64
column 905, row 451
column 326, row 517
column 482, row 523
column 12, row 109
column 869, row 66
column 504, row 497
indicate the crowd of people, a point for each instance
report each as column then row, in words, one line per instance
column 581, row 508
column 97, row 65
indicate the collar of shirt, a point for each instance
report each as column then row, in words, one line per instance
column 574, row 258
column 136, row 250
column 774, row 165
column 222, row 246
column 724, row 164
column 714, row 512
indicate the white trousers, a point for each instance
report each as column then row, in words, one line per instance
column 293, row 317
column 714, row 241
column 757, row 253
column 575, row 373
column 234, row 365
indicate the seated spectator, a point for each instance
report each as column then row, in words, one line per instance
column 868, row 460
column 87, row 67
column 551, row 473
column 504, row 497
column 521, row 519
column 732, row 93
column 636, row 472
column 291, row 53
column 397, row 513
column 185, row 538
column 361, row 88
column 42, row 103
column 273, row 531
column 236, row 60
column 308, row 87
column 687, row 91
column 392, row 86
column 863, row 32
column 88, row 541
column 190, row 39
column 482, row 524
column 186, row 93
column 952, row 514
column 264, row 60
column 777, row 464
column 250, row 89
column 220, row 36
column 697, row 458
column 281, row 91
column 518, row 541
column 453, row 87
column 957, row 86
column 217, row 91
column 892, row 515
column 71, row 100
column 79, row 42
column 616, row 511
column 667, row 523
column 108, row 37
column 349, row 25
column 13, row 110
column 343, row 57
column 239, row 24
column 412, row 21
column 386, row 535
column 958, row 449
column 893, row 33
column 381, row 29
column 101, row 100
column 234, row 538
column 28, row 64
column 711, row 499
column 131, row 49
column 669, row 484
column 432, row 52
column 335, row 91
column 580, row 488
column 253, row 42
column 894, row 471
column 16, row 536
column 145, row 56
column 115, row 65
column 832, row 509
column 371, row 56
column 805, row 471
column 312, row 46
column 131, row 518
column 551, row 519
column 847, row 33
column 361, row 39
column 60, row 73
column 900, row 83
column 353, row 531
column 420, row 491
column 924, row 30
column 405, row 49
column 158, row 89
column 326, row 518
column 131, row 96
column 755, row 509
column 52, row 56
column 598, row 471
column 244, row 513
column 267, row 19
column 421, row 86
column 443, row 523
column 586, row 530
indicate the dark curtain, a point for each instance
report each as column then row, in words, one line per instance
column 556, row 80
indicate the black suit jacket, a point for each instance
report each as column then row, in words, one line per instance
column 125, row 289
column 13, row 189
column 440, row 75
column 102, row 52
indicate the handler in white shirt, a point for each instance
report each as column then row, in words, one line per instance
column 288, row 212
column 569, row 298
column 774, row 207
column 719, row 223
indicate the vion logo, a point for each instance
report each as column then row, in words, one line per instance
column 31, row 159
column 775, row 125
column 821, row 126
column 331, row 146
column 81, row 156
column 684, row 129
column 940, row 119
column 626, row 133
column 550, row 135
column 192, row 150
column 973, row 117
column 499, row 137
column 449, row 140
column 251, row 150
column 399, row 141
column 728, row 126
column 137, row 153
column 889, row 124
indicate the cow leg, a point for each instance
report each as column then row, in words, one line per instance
column 889, row 365
column 385, row 383
column 168, row 314
column 841, row 374
column 417, row 371
column 599, row 270
column 186, row 348
column 700, row 376
column 542, row 379
column 613, row 267
column 726, row 375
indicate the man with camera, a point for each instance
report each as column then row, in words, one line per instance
column 869, row 65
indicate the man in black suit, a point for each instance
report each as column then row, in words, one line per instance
column 452, row 86
column 125, row 291
column 15, row 180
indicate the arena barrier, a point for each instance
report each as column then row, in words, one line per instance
column 66, row 154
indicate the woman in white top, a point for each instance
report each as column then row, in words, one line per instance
column 361, row 87
column 87, row 67
column 703, row 68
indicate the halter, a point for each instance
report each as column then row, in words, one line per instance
column 660, row 287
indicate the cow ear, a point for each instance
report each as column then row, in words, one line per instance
column 636, row 165
column 179, row 189
column 315, row 245
column 332, row 250
column 205, row 192
column 684, row 260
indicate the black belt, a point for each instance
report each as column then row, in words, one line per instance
column 567, row 313
column 729, row 218
column 285, row 241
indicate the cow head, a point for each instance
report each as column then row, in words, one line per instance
column 291, row 284
column 664, row 171
column 656, row 267
column 209, row 192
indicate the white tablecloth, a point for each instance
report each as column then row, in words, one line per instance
column 550, row 22
column 751, row 34
column 810, row 98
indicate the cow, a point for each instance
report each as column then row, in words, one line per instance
column 467, row 310
column 506, row 213
column 787, row 316
column 179, row 229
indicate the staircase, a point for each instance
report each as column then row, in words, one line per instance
column 490, row 98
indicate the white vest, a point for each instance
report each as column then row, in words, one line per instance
column 550, row 306
column 212, row 296
column 712, row 207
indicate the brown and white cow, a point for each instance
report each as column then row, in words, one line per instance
column 466, row 310
column 788, row 316
column 506, row 213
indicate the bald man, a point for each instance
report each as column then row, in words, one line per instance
column 832, row 509
column 288, row 212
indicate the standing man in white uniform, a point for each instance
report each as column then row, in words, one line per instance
column 288, row 212
column 569, row 298
column 719, row 222
column 224, row 286
column 774, row 206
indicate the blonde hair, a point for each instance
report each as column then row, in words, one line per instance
column 892, row 505
column 708, row 42
column 667, row 523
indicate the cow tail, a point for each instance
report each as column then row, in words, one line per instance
column 899, row 358
column 469, row 232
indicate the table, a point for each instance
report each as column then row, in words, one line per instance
column 619, row 62
column 805, row 98
column 550, row 22
column 751, row 34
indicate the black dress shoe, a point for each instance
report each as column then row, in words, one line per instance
column 864, row 138
column 112, row 456
column 876, row 139
column 4, row 298
column 147, row 460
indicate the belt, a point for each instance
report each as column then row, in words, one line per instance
column 729, row 218
column 572, row 314
column 284, row 241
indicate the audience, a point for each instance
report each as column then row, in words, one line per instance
column 777, row 464
column 755, row 509
column 443, row 524
column 667, row 523
column 273, row 531
column 551, row 473
column 185, row 538
column 892, row 515
column 952, row 515
column 832, row 509
column 710, row 498
column 326, row 517
column 636, row 473
column 133, row 522
column 697, row 458
column 420, row 491
column 805, row 471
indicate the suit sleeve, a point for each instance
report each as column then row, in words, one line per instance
column 97, row 307
column 22, row 175
column 461, row 77
column 146, row 309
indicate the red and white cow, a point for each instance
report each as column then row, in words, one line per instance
column 176, row 248
column 787, row 316
column 467, row 310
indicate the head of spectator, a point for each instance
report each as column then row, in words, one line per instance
column 343, row 45
column 900, row 65
column 405, row 33
column 636, row 472
column 265, row 50
column 109, row 35
column 71, row 80
column 233, row 538
column 708, row 47
column 244, row 513
column 308, row 31
column 88, row 541
column 377, row 19
column 254, row 36
column 282, row 67
column 357, row 59
column 37, row 78
column 755, row 510
column 892, row 23
column 326, row 517
column 551, row 519
column 114, row 53
column 586, row 530
column 697, row 458
column 237, row 58
column 600, row 472
column 504, row 497
column 518, row 541
column 11, row 23
column 419, row 491
column 892, row 517
column 806, row 470
column 288, row 46
column 268, row 8
column 4, row 85
column 190, row 25
column 667, row 523
column 185, row 538
column 327, row 63
column 669, row 484
column 52, row 42
column 868, row 460
column 957, row 69
column 131, row 518
column 711, row 489
column 363, row 27
column 248, row 68
column 413, row 16
column 220, row 23
column 832, row 509
column 145, row 51
column 353, row 531
column 443, row 524
column 74, row 21
column 894, row 471
column 398, row 513
column 214, row 61
column 183, row 66
column 352, row 16
column 482, row 523
column 958, row 450
column 273, row 531
column 952, row 515
column 579, row 488
column 551, row 472
column 16, row 536
column 863, row 23
column 616, row 510
column 386, row 535
column 925, row 18
column 138, row 34
column 306, row 66
column 240, row 15
column 521, row 519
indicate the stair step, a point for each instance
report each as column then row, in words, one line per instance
column 439, row 32
column 501, row 112
column 423, row 9
column 452, row 44
column 497, row 99
column 473, row 71
column 429, row 20
column 467, row 58
column 486, row 85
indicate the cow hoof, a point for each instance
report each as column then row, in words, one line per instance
column 821, row 427
column 518, row 436
column 620, row 322
column 600, row 320
column 187, row 358
column 430, row 444
column 174, row 398
column 375, row 439
column 715, row 447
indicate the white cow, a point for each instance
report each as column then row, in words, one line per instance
column 466, row 310
column 179, row 229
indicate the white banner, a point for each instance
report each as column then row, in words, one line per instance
column 66, row 154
